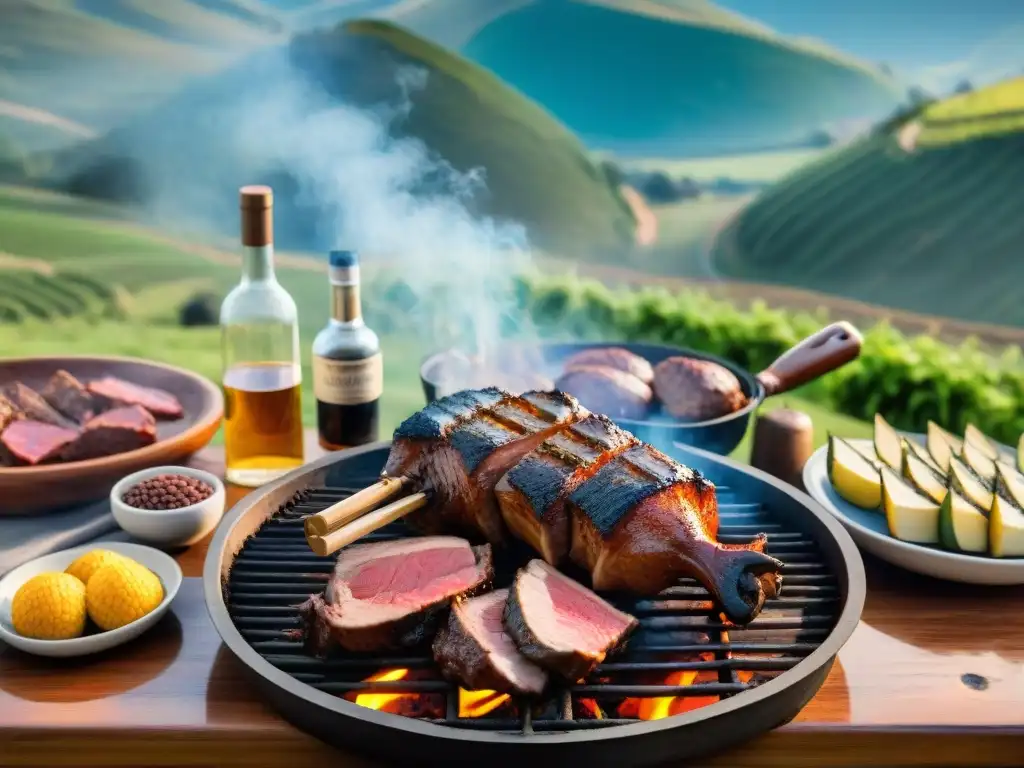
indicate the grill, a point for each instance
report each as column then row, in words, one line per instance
column 688, row 683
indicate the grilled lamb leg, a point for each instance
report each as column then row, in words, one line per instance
column 642, row 521
column 532, row 494
column 458, row 448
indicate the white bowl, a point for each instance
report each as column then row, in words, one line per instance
column 871, row 533
column 161, row 564
column 169, row 527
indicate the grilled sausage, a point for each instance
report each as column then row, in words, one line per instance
column 613, row 357
column 697, row 389
column 607, row 390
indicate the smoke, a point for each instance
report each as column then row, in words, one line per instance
column 389, row 197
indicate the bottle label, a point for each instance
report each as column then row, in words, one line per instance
column 348, row 382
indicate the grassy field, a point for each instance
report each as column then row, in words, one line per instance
column 931, row 225
column 749, row 167
column 49, row 234
column 603, row 68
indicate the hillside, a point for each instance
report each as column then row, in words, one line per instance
column 435, row 124
column 924, row 217
column 682, row 77
column 95, row 61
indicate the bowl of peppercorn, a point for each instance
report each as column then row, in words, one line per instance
column 168, row 506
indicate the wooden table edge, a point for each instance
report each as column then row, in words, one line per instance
column 829, row 746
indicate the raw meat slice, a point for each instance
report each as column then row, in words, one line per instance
column 461, row 445
column 393, row 594
column 474, row 650
column 560, row 624
column 32, row 404
column 36, row 442
column 67, row 395
column 532, row 494
column 158, row 402
column 114, row 431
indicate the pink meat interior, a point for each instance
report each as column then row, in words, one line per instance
column 414, row 577
column 34, row 440
column 581, row 619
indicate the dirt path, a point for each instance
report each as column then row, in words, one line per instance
column 646, row 221
column 907, row 137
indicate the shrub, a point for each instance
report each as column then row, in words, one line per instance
column 201, row 309
column 908, row 379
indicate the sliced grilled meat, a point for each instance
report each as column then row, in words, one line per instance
column 68, row 396
column 393, row 594
column 35, row 442
column 114, row 431
column 8, row 412
column 474, row 650
column 612, row 357
column 642, row 521
column 32, row 404
column 160, row 403
column 458, row 447
column 532, row 494
column 607, row 390
column 697, row 390
column 560, row 624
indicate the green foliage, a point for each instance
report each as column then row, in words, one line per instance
column 908, row 379
column 201, row 309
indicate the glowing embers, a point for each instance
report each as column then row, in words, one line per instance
column 426, row 705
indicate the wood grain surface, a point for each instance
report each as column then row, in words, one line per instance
column 933, row 676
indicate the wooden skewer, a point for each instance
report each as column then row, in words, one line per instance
column 355, row 506
column 361, row 526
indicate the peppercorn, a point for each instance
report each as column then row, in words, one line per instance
column 167, row 492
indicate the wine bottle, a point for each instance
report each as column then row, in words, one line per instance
column 262, row 376
column 348, row 367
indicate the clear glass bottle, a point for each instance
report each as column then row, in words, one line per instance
column 348, row 368
column 260, row 346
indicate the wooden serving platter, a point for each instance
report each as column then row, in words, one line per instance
column 51, row 487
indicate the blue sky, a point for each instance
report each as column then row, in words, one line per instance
column 934, row 43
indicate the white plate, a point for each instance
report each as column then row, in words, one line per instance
column 870, row 531
column 161, row 564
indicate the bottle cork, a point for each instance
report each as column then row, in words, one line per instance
column 783, row 442
column 257, row 204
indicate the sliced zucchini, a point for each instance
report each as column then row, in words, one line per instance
column 888, row 443
column 909, row 515
column 980, row 464
column 852, row 476
column 962, row 526
column 922, row 477
column 969, row 485
column 981, row 441
column 1006, row 529
column 942, row 445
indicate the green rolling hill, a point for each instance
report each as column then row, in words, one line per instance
column 659, row 77
column 98, row 61
column 925, row 215
column 188, row 152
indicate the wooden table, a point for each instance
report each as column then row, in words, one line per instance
column 934, row 675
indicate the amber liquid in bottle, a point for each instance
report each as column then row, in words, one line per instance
column 262, row 377
column 348, row 375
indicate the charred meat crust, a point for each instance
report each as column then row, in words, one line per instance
column 465, row 661
column 626, row 481
column 412, row 630
column 68, row 396
column 572, row 665
column 33, row 406
column 441, row 416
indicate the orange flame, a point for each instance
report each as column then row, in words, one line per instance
column 590, row 709
column 384, row 701
column 660, row 707
column 479, row 703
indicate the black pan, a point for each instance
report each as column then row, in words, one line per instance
column 825, row 351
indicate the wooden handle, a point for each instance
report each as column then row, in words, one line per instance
column 335, row 540
column 830, row 348
column 355, row 506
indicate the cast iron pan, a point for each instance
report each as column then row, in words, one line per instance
column 825, row 351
